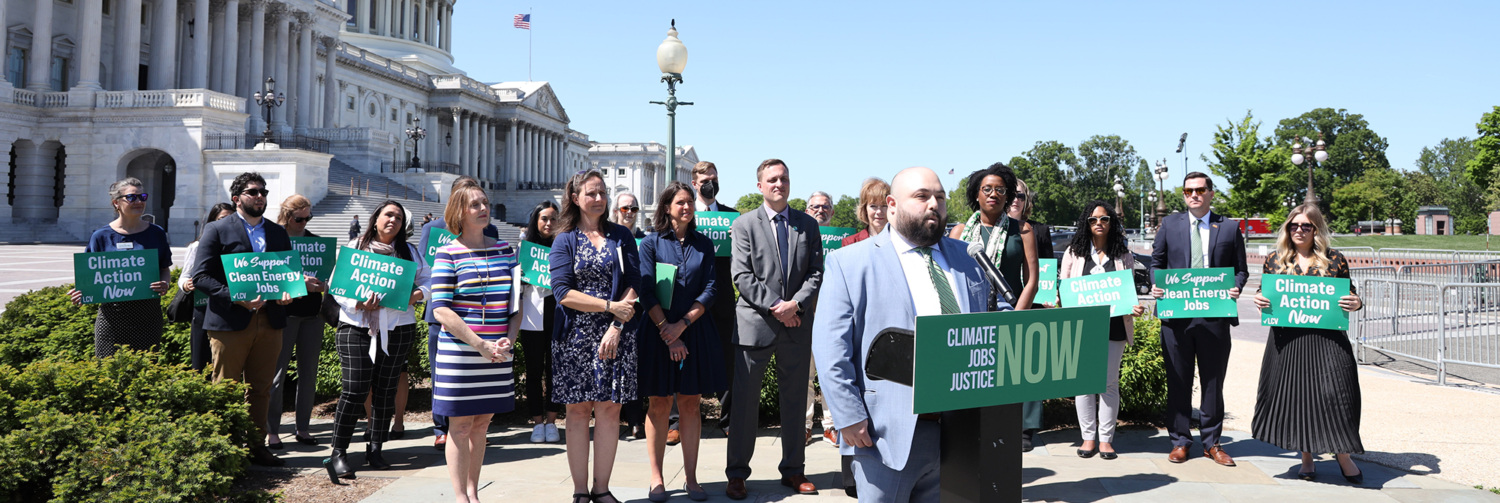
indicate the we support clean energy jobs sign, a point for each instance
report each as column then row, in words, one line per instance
column 536, row 264
column 264, row 275
column 833, row 237
column 1195, row 293
column 715, row 225
column 1304, row 301
column 982, row 359
column 361, row 273
column 1113, row 289
column 115, row 276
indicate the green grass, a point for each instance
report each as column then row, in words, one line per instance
column 1495, row 490
column 1407, row 241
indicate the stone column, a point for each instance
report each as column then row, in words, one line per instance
column 163, row 46
column 548, row 171
column 257, row 62
column 487, row 149
column 471, row 146
column 457, row 138
column 293, row 77
column 127, row 74
column 383, row 21
column 282, row 67
column 523, row 153
column 216, row 50
column 362, row 15
column 330, row 82
column 4, row 42
column 39, row 76
column 305, row 76
column 447, row 28
column 199, row 78
column 91, row 42
column 231, row 61
column 510, row 155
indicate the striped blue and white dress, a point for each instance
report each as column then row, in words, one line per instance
column 475, row 284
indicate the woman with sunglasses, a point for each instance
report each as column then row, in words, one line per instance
column 1099, row 247
column 133, row 323
column 199, row 352
column 1309, row 400
column 304, row 331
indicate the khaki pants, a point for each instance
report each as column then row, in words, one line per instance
column 249, row 356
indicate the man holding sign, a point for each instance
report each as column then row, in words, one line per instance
column 1197, row 239
column 881, row 283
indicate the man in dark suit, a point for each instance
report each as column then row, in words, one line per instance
column 1198, row 238
column 777, row 266
column 245, row 335
column 706, row 185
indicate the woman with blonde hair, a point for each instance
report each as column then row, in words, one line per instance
column 1308, row 399
column 304, row 331
column 871, row 211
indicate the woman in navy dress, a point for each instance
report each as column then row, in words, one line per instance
column 679, row 346
column 594, row 279
column 136, row 324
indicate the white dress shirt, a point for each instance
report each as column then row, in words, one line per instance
column 924, row 294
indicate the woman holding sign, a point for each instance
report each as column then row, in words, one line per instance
column 373, row 342
column 304, row 331
column 133, row 323
column 679, row 348
column 595, row 279
column 536, row 332
column 1309, row 398
column 1099, row 247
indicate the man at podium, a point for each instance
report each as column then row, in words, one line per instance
column 880, row 284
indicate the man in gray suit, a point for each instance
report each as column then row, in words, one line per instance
column 777, row 265
column 881, row 283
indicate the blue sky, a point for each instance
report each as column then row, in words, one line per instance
column 846, row 90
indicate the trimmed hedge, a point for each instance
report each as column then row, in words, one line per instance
column 1143, row 383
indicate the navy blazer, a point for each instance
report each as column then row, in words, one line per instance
column 615, row 236
column 696, row 279
column 1226, row 247
column 227, row 236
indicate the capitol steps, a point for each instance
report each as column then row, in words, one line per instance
column 332, row 216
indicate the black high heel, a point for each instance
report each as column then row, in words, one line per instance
column 374, row 458
column 1356, row 479
column 338, row 467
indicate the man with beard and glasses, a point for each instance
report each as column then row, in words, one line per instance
column 881, row 283
column 244, row 336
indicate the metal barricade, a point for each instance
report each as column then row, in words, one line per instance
column 1471, row 334
column 1358, row 275
column 1460, row 272
column 1407, row 256
column 1360, row 255
column 1476, row 256
column 1402, row 318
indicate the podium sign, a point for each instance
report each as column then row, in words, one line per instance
column 976, row 360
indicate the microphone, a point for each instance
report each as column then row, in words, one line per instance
column 976, row 251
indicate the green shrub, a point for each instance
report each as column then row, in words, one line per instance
column 1143, row 383
column 124, row 428
column 330, row 381
column 45, row 323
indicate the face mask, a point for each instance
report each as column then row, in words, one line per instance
column 709, row 188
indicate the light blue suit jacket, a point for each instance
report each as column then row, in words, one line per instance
column 864, row 292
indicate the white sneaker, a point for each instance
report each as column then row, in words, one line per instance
column 537, row 434
column 552, row 436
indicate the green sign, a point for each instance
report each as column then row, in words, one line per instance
column 264, row 275
column 1113, row 289
column 199, row 299
column 666, row 281
column 536, row 264
column 1196, row 293
column 833, row 237
column 715, row 225
column 361, row 273
column 1304, row 301
column 982, row 359
column 318, row 255
column 437, row 237
column 116, row 276
column 1046, row 279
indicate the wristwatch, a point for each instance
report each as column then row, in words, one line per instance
column 617, row 324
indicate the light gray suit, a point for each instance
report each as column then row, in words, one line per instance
column 756, row 266
column 866, row 293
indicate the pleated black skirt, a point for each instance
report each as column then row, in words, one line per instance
column 1308, row 399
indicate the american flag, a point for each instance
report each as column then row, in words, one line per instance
column 523, row 21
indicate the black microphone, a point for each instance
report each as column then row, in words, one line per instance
column 976, row 251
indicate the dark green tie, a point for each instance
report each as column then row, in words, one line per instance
column 1197, row 243
column 946, row 301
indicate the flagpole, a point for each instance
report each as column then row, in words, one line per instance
column 528, row 46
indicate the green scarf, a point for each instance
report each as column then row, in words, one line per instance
column 995, row 245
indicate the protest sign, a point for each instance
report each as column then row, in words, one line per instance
column 116, row 276
column 1304, row 301
column 536, row 267
column 1046, row 281
column 264, row 275
column 318, row 255
column 1113, row 289
column 1195, row 293
column 360, row 273
column 715, row 225
column 833, row 237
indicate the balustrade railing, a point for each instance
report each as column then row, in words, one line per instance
column 246, row 142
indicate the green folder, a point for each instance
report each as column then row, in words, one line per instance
column 666, row 277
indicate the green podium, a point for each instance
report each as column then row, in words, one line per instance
column 978, row 368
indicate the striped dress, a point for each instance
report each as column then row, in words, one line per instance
column 475, row 284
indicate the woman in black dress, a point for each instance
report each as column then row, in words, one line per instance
column 1308, row 399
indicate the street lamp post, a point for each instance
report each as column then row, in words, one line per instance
column 1161, row 201
column 416, row 134
column 671, row 58
column 1119, row 198
column 1319, row 154
column 269, row 99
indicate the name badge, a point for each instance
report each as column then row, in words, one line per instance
column 125, row 246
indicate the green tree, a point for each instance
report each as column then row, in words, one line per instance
column 844, row 213
column 1372, row 196
column 1446, row 165
column 798, row 204
column 1353, row 147
column 749, row 202
column 958, row 209
column 1259, row 172
column 1047, row 169
column 1487, row 154
column 1105, row 158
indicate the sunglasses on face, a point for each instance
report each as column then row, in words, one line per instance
column 255, row 192
column 301, row 220
column 1301, row 227
column 1102, row 220
column 999, row 191
column 819, row 207
column 1194, row 190
column 135, row 198
column 630, row 209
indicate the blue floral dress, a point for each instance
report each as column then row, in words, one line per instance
column 578, row 375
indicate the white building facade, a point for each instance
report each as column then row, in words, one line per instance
column 640, row 169
column 96, row 90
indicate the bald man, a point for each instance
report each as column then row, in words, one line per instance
column 896, row 453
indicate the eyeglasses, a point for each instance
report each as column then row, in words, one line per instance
column 876, row 207
column 255, row 192
column 992, row 190
column 135, row 198
column 820, row 207
column 301, row 220
column 1102, row 220
column 1301, row 227
column 630, row 209
column 1195, row 190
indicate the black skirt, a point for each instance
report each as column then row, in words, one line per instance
column 136, row 324
column 1308, row 399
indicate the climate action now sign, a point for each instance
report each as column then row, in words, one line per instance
column 437, row 237
column 536, row 264
column 1046, row 281
column 715, row 225
column 977, row 360
column 1304, row 301
column 361, row 273
column 833, row 237
column 1113, row 289
column 264, row 275
column 115, row 276
column 318, row 255
column 1195, row 293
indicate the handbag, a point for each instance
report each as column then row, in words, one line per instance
column 180, row 309
column 329, row 311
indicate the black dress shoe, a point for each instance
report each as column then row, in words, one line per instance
column 1026, row 441
column 1089, row 453
column 1356, row 479
column 306, row 440
column 260, row 456
column 374, row 458
column 338, row 467
column 1108, row 455
column 275, row 447
column 1308, row 476
column 397, row 434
